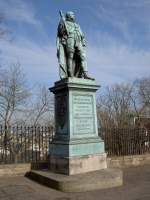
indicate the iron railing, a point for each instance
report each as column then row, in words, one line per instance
column 121, row 142
column 31, row 144
column 24, row 144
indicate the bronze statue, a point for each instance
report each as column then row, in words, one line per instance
column 71, row 48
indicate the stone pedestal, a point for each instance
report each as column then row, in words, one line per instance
column 76, row 147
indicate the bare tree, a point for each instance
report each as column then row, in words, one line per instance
column 116, row 106
column 144, row 95
column 41, row 110
column 13, row 94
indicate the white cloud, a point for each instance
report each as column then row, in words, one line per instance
column 38, row 62
column 117, row 63
column 124, row 16
column 20, row 11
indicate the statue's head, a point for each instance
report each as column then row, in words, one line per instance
column 70, row 16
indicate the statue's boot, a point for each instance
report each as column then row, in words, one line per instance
column 86, row 76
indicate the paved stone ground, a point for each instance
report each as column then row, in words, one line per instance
column 136, row 187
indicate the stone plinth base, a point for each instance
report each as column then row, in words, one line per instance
column 77, row 164
column 101, row 179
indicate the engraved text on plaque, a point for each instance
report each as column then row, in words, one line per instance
column 83, row 114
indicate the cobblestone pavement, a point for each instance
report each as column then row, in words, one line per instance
column 136, row 187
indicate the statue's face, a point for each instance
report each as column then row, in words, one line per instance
column 70, row 16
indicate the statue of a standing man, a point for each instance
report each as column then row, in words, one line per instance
column 71, row 48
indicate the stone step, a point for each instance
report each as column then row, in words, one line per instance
column 101, row 179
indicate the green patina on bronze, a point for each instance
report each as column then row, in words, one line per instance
column 71, row 46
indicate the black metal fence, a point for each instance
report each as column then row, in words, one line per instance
column 121, row 142
column 24, row 144
column 28, row 144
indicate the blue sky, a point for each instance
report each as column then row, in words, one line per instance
column 117, row 34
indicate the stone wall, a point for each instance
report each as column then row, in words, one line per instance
column 128, row 161
column 39, row 165
column 113, row 162
column 14, row 169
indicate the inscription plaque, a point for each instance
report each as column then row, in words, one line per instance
column 83, row 114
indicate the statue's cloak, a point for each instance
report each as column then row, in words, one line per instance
column 61, row 54
column 61, row 59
